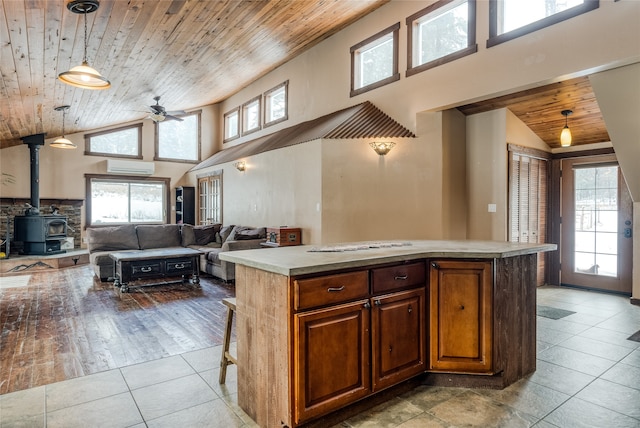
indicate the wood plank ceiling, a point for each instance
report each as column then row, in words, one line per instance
column 190, row 52
column 539, row 108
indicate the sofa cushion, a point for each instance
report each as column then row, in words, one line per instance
column 224, row 233
column 112, row 238
column 158, row 236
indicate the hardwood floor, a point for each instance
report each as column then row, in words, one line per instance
column 66, row 323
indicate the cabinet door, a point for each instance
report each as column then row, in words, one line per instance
column 398, row 328
column 331, row 355
column 461, row 327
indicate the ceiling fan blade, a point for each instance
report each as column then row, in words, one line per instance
column 171, row 117
column 176, row 112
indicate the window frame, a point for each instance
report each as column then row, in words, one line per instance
column 255, row 100
column 89, row 152
column 208, row 178
column 128, row 179
column 412, row 21
column 394, row 30
column 236, row 111
column 156, row 125
column 267, row 96
column 494, row 10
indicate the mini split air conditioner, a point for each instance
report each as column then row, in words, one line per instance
column 117, row 166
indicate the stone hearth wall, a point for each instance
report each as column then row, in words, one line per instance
column 11, row 207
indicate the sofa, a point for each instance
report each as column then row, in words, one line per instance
column 211, row 240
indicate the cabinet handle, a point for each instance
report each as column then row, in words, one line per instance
column 410, row 309
column 435, row 265
column 462, row 307
column 335, row 289
column 179, row 266
column 377, row 302
column 367, row 305
column 145, row 269
column 400, row 277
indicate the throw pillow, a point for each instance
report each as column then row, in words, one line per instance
column 251, row 233
column 188, row 237
column 224, row 233
column 205, row 234
column 234, row 232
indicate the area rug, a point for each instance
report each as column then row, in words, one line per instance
column 553, row 313
column 14, row 281
column 635, row 336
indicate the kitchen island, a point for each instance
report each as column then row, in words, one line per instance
column 321, row 327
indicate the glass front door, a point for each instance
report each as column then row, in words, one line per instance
column 596, row 241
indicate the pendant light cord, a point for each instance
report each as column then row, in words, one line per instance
column 84, row 60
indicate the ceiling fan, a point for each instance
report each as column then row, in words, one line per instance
column 159, row 113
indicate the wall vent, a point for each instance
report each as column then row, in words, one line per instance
column 118, row 166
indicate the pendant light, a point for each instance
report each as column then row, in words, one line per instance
column 63, row 143
column 565, row 135
column 83, row 76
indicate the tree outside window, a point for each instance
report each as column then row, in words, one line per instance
column 374, row 61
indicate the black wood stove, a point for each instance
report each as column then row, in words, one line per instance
column 40, row 234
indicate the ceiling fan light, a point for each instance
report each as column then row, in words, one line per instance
column 83, row 76
column 565, row 137
column 63, row 143
column 156, row 117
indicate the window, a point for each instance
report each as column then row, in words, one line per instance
column 210, row 198
column 374, row 61
column 275, row 104
column 122, row 200
column 232, row 124
column 441, row 33
column 528, row 193
column 251, row 116
column 510, row 19
column 119, row 142
column 179, row 140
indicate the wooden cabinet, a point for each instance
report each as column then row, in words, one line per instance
column 353, row 342
column 185, row 205
column 332, row 358
column 398, row 331
column 461, row 315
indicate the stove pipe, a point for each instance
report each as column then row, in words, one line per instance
column 34, row 142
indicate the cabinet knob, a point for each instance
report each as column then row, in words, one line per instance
column 377, row 302
column 435, row 265
column 335, row 289
column 461, row 307
column 409, row 309
column 367, row 305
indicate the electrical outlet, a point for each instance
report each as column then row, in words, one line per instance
column 492, row 208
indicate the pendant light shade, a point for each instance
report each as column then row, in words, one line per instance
column 565, row 135
column 84, row 76
column 63, row 143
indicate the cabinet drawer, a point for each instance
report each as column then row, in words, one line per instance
column 179, row 265
column 330, row 289
column 145, row 268
column 398, row 277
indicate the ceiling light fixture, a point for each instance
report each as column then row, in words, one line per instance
column 565, row 135
column 63, row 143
column 382, row 148
column 83, row 76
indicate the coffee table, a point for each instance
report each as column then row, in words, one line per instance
column 156, row 263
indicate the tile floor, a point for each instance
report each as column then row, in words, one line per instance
column 588, row 375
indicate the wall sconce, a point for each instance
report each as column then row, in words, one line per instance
column 382, row 148
column 240, row 166
column 565, row 135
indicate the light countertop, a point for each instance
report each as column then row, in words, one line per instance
column 306, row 259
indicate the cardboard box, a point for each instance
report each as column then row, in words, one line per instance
column 283, row 236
